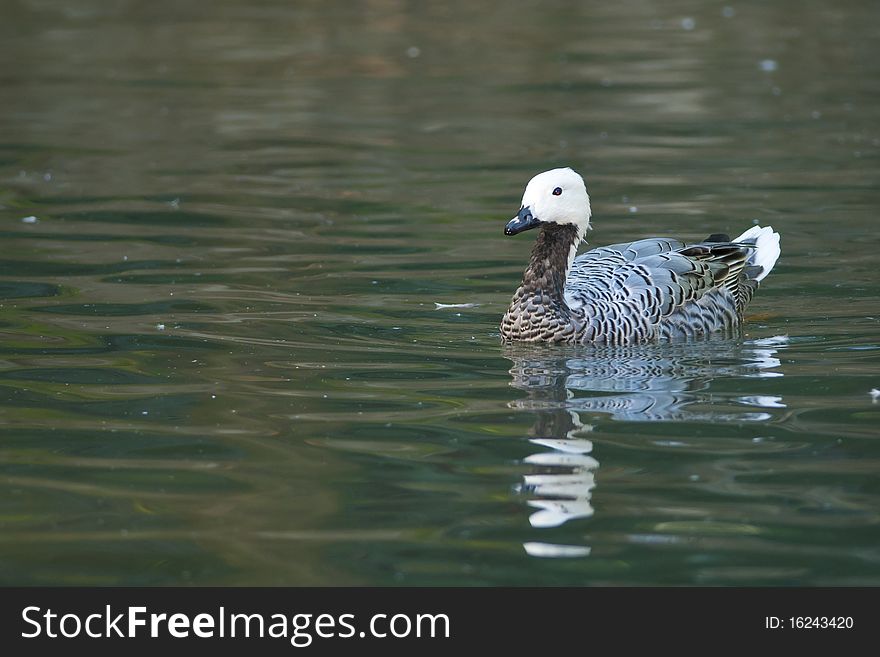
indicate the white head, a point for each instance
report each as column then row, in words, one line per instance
column 558, row 196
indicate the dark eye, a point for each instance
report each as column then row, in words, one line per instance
column 557, row 191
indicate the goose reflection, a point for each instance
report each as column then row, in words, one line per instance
column 642, row 383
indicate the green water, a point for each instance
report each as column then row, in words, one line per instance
column 220, row 356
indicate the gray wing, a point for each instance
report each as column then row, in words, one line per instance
column 657, row 286
column 633, row 250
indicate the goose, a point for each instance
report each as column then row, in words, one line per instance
column 653, row 289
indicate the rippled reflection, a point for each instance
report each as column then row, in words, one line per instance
column 635, row 384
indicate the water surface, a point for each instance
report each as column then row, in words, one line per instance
column 225, row 233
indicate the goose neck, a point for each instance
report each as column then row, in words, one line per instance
column 551, row 258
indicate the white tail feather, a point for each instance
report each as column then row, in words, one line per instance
column 766, row 251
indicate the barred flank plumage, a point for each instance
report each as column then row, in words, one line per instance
column 649, row 289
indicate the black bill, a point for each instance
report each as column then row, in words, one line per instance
column 521, row 222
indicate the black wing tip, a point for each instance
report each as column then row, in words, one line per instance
column 718, row 237
column 752, row 272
